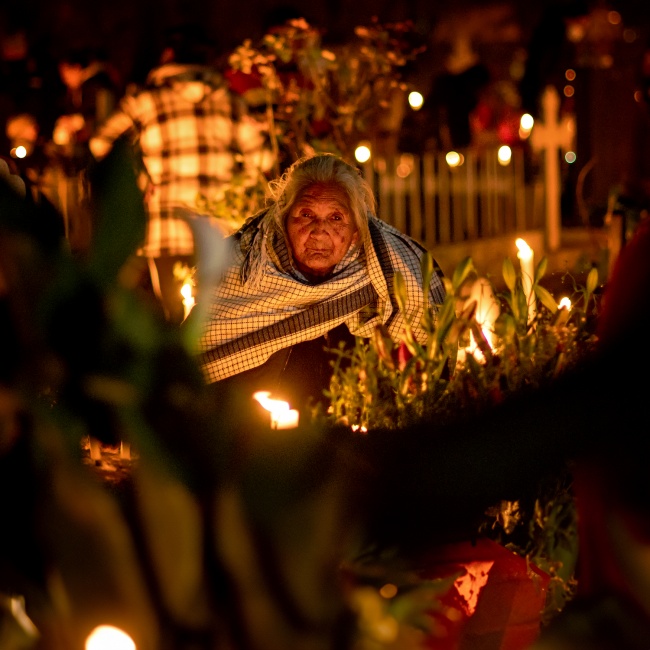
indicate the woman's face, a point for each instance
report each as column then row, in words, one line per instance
column 320, row 229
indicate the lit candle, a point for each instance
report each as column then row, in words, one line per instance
column 525, row 256
column 487, row 308
column 485, row 314
column 108, row 637
column 282, row 417
column 188, row 298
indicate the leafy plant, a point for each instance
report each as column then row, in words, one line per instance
column 468, row 364
column 314, row 98
column 320, row 98
column 458, row 367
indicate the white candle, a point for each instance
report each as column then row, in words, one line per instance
column 285, row 419
column 525, row 256
column 282, row 417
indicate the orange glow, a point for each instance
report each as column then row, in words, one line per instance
column 614, row 18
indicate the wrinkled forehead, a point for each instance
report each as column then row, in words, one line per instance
column 329, row 192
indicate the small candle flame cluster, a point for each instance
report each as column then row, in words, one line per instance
column 282, row 417
column 487, row 306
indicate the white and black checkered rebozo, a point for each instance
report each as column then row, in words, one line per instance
column 263, row 304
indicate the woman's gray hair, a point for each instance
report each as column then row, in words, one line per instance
column 322, row 168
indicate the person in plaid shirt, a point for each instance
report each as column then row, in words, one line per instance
column 195, row 136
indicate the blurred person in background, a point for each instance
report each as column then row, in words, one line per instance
column 89, row 91
column 194, row 138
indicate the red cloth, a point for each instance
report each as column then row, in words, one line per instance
column 496, row 601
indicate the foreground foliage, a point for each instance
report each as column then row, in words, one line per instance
column 224, row 534
column 483, row 347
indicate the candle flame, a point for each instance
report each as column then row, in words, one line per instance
column 565, row 303
column 186, row 291
column 272, row 405
column 525, row 251
column 282, row 417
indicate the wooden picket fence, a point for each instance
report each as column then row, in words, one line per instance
column 437, row 204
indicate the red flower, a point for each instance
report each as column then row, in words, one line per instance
column 239, row 82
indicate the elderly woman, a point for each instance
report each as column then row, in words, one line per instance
column 314, row 268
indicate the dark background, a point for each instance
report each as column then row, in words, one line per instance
column 131, row 31
column 612, row 116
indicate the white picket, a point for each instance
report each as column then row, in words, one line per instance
column 436, row 204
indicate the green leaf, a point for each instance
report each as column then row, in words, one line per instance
column 592, row 280
column 562, row 317
column 541, row 269
column 545, row 296
column 464, row 268
column 505, row 327
column 120, row 214
column 520, row 305
column 400, row 291
column 446, row 317
column 509, row 274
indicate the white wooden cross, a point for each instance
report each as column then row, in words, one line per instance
column 552, row 136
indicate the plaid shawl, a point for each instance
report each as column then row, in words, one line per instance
column 263, row 304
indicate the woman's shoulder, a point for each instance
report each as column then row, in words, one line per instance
column 394, row 236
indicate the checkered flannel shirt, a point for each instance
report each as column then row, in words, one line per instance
column 190, row 145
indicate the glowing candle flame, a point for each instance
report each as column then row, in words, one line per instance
column 415, row 100
column 188, row 299
column 565, row 303
column 486, row 313
column 525, row 251
column 487, row 308
column 504, row 155
column 282, row 417
column 107, row 637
